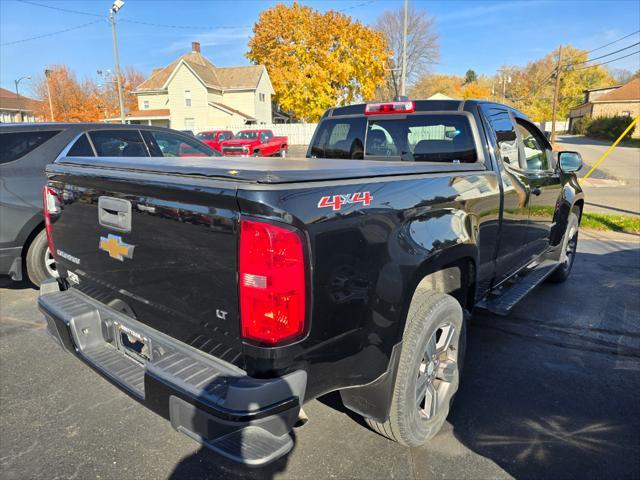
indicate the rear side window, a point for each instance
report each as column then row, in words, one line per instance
column 118, row 143
column 340, row 138
column 15, row 145
column 422, row 138
column 166, row 144
column 81, row 148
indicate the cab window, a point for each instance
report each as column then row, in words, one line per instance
column 533, row 147
column 504, row 134
column 422, row 138
column 339, row 138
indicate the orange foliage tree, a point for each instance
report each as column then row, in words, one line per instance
column 84, row 101
column 317, row 60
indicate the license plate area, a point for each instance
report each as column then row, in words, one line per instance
column 132, row 343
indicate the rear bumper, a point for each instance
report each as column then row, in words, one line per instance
column 247, row 420
column 11, row 262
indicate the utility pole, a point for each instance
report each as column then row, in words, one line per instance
column 556, row 91
column 403, row 82
column 17, row 82
column 505, row 79
column 117, row 5
column 47, row 74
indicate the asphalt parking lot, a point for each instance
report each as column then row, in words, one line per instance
column 549, row 392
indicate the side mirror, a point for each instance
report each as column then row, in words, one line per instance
column 569, row 161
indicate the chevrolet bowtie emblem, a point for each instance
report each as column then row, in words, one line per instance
column 116, row 248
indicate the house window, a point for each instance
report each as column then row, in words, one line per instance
column 145, row 104
column 189, row 123
column 626, row 113
column 187, row 98
column 262, row 97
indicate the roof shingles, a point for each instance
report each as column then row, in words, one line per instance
column 630, row 91
column 221, row 78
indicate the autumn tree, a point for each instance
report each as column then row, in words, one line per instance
column 423, row 48
column 73, row 101
column 129, row 79
column 531, row 88
column 317, row 60
column 452, row 86
column 87, row 100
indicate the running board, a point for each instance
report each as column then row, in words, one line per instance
column 500, row 301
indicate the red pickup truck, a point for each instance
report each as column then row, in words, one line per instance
column 257, row 143
column 214, row 138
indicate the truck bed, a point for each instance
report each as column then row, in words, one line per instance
column 264, row 170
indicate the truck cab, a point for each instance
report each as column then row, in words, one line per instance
column 225, row 293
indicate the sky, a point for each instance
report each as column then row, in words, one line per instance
column 481, row 35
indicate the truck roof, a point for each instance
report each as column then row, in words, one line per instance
column 265, row 170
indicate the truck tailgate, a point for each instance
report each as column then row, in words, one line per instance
column 162, row 253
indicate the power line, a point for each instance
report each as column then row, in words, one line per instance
column 604, row 63
column 615, row 41
column 60, row 9
column 131, row 20
column 185, row 27
column 50, row 34
column 601, row 56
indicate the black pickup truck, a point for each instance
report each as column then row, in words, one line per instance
column 224, row 294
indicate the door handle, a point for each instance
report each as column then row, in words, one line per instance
column 114, row 213
column 536, row 191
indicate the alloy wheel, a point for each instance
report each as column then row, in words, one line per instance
column 437, row 370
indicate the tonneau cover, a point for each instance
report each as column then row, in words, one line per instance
column 268, row 170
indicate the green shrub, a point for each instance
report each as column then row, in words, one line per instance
column 609, row 128
column 581, row 125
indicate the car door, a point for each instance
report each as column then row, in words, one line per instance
column 267, row 146
column 543, row 183
column 511, row 253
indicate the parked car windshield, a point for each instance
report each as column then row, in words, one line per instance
column 246, row 135
column 205, row 136
column 420, row 138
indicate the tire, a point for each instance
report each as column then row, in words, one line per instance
column 569, row 246
column 412, row 422
column 39, row 263
column 282, row 153
column 256, row 153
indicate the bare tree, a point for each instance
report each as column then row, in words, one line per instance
column 621, row 75
column 423, row 48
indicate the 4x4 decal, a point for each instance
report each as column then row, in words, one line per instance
column 337, row 201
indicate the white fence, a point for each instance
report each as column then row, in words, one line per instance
column 301, row 133
column 298, row 133
column 561, row 126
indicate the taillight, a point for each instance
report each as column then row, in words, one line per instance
column 272, row 282
column 391, row 107
column 50, row 206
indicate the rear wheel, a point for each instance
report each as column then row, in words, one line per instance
column 282, row 153
column 569, row 247
column 39, row 260
column 428, row 371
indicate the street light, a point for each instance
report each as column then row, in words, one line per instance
column 47, row 74
column 17, row 82
column 117, row 5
